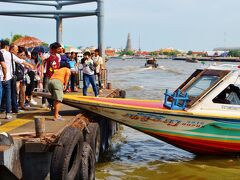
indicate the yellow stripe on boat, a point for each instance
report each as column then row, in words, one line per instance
column 89, row 99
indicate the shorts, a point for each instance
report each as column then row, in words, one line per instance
column 55, row 87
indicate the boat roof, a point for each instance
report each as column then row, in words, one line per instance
column 228, row 67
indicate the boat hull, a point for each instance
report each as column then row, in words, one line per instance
column 151, row 65
column 200, row 135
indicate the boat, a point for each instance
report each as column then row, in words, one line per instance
column 151, row 63
column 191, row 60
column 201, row 116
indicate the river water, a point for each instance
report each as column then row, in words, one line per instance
column 135, row 155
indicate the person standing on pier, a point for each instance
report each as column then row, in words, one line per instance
column 9, row 59
column 88, row 74
column 57, row 84
column 3, row 74
column 99, row 66
column 51, row 63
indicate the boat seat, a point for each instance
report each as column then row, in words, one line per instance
column 175, row 100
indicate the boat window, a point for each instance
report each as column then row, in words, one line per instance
column 200, row 85
column 230, row 95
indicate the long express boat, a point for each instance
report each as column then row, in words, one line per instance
column 202, row 116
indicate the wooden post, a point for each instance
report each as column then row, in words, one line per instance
column 39, row 126
column 109, row 86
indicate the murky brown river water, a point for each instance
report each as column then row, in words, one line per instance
column 135, row 155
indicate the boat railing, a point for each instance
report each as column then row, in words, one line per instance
column 104, row 77
column 176, row 100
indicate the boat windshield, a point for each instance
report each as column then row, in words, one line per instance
column 201, row 85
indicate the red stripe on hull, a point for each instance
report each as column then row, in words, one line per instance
column 146, row 104
column 199, row 146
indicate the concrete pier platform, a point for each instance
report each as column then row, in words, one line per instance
column 28, row 156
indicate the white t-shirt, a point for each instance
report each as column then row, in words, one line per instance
column 8, row 60
column 99, row 61
column 86, row 67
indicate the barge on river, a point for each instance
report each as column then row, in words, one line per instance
column 202, row 116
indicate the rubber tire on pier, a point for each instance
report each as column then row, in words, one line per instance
column 93, row 138
column 87, row 170
column 67, row 156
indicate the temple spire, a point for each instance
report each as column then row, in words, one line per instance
column 129, row 45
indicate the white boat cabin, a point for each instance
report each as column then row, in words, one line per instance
column 214, row 90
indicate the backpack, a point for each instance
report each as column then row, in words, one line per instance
column 19, row 71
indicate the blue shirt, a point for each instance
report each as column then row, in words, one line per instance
column 72, row 64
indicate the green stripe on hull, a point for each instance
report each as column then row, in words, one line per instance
column 209, row 137
column 219, row 129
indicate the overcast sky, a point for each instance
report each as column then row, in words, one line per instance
column 180, row 24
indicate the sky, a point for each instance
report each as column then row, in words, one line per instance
column 180, row 24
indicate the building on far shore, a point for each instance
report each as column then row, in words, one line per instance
column 226, row 48
column 110, row 52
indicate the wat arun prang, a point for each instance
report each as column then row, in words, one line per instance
column 129, row 44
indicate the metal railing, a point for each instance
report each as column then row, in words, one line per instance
column 104, row 80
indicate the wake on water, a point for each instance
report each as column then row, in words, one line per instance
column 133, row 69
column 162, row 68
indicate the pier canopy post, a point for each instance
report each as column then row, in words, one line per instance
column 100, row 17
column 58, row 29
column 100, row 22
column 58, row 24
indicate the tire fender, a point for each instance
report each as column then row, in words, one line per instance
column 93, row 138
column 66, row 157
column 87, row 170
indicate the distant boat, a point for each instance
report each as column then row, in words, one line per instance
column 191, row 60
column 124, row 57
column 151, row 63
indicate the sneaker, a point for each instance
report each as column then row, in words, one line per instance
column 27, row 105
column 32, row 102
column 50, row 107
column 8, row 116
column 44, row 105
column 21, row 111
column 59, row 118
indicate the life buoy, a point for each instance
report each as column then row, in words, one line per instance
column 87, row 169
column 66, row 158
column 93, row 138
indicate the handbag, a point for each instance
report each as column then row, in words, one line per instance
column 14, row 77
column 18, row 73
